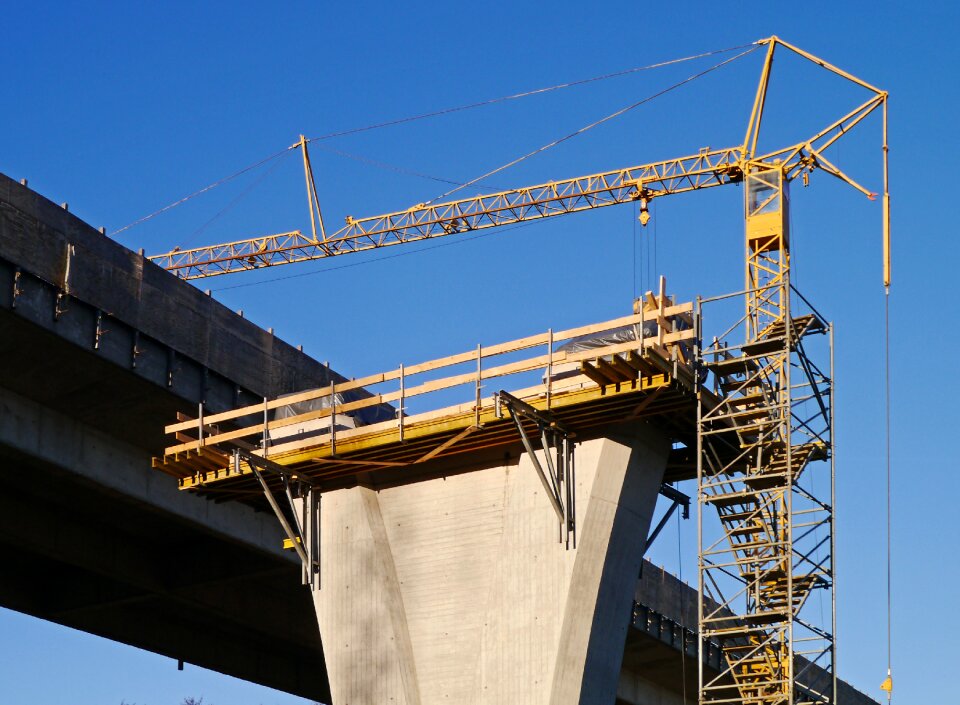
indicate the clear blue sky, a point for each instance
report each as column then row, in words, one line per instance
column 120, row 109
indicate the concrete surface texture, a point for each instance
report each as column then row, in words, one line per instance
column 99, row 349
column 454, row 588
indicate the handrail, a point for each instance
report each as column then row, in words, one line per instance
column 206, row 426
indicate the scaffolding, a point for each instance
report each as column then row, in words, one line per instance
column 765, row 466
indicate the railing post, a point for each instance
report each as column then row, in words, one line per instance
column 549, row 366
column 479, row 374
column 333, row 418
column 265, row 442
column 402, row 392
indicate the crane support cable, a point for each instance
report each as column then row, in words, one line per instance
column 386, row 166
column 596, row 123
column 205, row 189
column 423, row 116
column 527, row 94
column 425, row 220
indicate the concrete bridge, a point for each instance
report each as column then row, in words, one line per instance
column 100, row 348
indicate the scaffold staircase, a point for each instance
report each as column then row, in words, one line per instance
column 757, row 436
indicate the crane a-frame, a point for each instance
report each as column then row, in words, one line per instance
column 755, row 447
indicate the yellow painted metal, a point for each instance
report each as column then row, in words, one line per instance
column 767, row 248
column 754, row 491
column 760, row 660
column 313, row 201
column 756, row 113
column 706, row 169
column 886, row 199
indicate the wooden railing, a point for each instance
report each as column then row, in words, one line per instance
column 674, row 325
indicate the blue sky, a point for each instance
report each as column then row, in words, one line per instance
column 120, row 109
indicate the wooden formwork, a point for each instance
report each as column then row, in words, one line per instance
column 580, row 387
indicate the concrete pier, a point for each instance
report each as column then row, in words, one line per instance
column 455, row 588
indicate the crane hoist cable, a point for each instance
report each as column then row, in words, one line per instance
column 887, row 684
column 422, row 116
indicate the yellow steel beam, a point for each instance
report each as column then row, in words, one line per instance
column 706, row 169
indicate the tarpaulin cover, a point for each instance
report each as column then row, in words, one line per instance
column 362, row 417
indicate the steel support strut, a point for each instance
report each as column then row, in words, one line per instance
column 558, row 472
column 302, row 525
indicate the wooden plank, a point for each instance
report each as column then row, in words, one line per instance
column 594, row 374
column 185, row 423
column 423, row 426
column 534, row 363
column 648, row 400
column 380, row 463
column 446, row 444
column 623, row 368
column 610, row 372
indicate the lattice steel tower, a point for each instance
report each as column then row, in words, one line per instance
column 765, row 478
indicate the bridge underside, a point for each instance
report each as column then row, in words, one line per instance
column 93, row 361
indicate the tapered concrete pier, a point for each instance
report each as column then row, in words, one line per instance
column 454, row 588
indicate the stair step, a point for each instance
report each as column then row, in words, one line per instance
column 754, row 398
column 766, row 482
column 739, row 386
column 731, row 500
column 738, row 516
column 732, row 366
column 802, row 325
column 766, row 618
column 764, row 347
column 746, row 530
column 750, row 545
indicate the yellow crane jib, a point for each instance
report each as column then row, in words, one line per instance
column 703, row 170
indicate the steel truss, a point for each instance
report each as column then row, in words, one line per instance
column 765, row 466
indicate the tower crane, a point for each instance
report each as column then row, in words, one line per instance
column 755, row 444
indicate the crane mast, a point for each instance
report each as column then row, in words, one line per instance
column 763, row 428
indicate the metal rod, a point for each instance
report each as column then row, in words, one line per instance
column 539, row 468
column 886, row 200
column 272, row 501
column 549, row 365
column 479, row 375
column 833, row 538
column 265, row 441
column 402, row 398
column 333, row 418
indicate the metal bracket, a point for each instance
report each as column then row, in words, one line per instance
column 679, row 500
column 559, row 476
column 17, row 291
column 303, row 532
column 100, row 331
column 59, row 308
